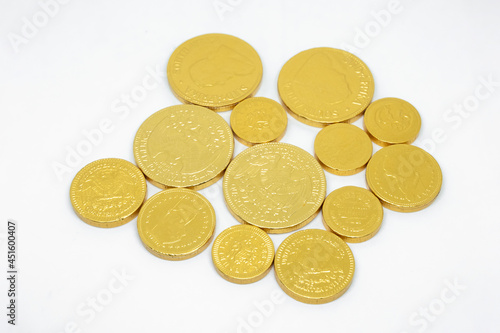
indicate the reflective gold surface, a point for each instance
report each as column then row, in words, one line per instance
column 392, row 121
column 275, row 186
column 343, row 149
column 176, row 224
column 404, row 177
column 353, row 213
column 184, row 146
column 108, row 192
column 258, row 120
column 314, row 266
column 243, row 254
column 323, row 85
column 214, row 70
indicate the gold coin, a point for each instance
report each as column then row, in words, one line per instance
column 343, row 149
column 258, row 120
column 214, row 70
column 243, row 254
column 184, row 146
column 314, row 266
column 176, row 224
column 323, row 85
column 275, row 186
column 404, row 177
column 391, row 121
column 353, row 213
column 108, row 192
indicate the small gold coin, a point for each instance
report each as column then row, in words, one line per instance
column 323, row 85
column 184, row 146
column 275, row 186
column 214, row 70
column 392, row 121
column 314, row 266
column 243, row 254
column 258, row 120
column 176, row 224
column 343, row 149
column 404, row 177
column 108, row 192
column 353, row 213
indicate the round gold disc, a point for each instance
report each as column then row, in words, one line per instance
column 323, row 85
column 275, row 186
column 184, row 146
column 176, row 224
column 343, row 149
column 404, row 177
column 314, row 266
column 108, row 192
column 392, row 121
column 214, row 70
column 258, row 120
column 353, row 213
column 243, row 254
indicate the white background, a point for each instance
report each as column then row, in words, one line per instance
column 71, row 72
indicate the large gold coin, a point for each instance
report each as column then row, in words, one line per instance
column 258, row 120
column 404, row 177
column 343, row 149
column 214, row 70
column 323, row 85
column 184, row 146
column 108, row 192
column 392, row 121
column 176, row 224
column 275, row 186
column 353, row 213
column 314, row 266
column 243, row 254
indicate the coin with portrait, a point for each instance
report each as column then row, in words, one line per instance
column 214, row 70
column 323, row 85
column 176, row 224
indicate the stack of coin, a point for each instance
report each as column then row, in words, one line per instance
column 271, row 187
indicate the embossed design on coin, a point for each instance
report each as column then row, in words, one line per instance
column 404, row 177
column 258, row 120
column 353, row 213
column 176, row 224
column 275, row 186
column 343, row 149
column 183, row 146
column 392, row 121
column 108, row 192
column 214, row 70
column 243, row 254
column 323, row 85
column 314, row 266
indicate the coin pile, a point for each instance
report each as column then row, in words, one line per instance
column 270, row 187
